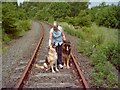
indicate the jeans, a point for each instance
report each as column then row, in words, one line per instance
column 59, row 53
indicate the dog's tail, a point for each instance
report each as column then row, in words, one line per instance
column 41, row 66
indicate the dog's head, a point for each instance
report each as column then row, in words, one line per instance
column 52, row 48
column 66, row 46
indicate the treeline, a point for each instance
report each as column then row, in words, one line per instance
column 49, row 11
column 106, row 15
column 14, row 21
column 75, row 13
column 102, row 15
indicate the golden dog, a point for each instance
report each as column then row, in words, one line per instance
column 66, row 50
column 51, row 59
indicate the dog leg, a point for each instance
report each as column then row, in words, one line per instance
column 65, row 63
column 52, row 68
column 56, row 69
column 68, row 63
column 56, row 66
column 45, row 65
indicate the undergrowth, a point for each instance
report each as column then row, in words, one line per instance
column 100, row 44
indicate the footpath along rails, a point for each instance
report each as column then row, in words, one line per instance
column 33, row 77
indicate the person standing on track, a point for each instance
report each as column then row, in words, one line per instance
column 57, row 36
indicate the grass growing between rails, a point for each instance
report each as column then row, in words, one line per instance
column 100, row 44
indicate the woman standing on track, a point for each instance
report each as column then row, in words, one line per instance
column 56, row 36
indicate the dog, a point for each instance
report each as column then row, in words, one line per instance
column 66, row 50
column 51, row 59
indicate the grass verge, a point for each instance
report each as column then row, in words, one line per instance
column 100, row 44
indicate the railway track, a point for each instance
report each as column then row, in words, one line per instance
column 18, row 55
column 33, row 77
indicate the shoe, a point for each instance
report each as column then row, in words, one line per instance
column 60, row 65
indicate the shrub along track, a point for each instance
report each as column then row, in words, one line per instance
column 38, row 78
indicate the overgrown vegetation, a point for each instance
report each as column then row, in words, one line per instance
column 106, row 15
column 75, row 13
column 14, row 21
column 96, row 41
column 100, row 44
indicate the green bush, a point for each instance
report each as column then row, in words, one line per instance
column 59, row 9
column 84, row 21
column 102, row 66
column 70, row 20
column 79, row 21
column 14, row 20
column 22, row 26
column 5, row 38
column 8, row 25
column 106, row 16
column 103, row 75
column 74, row 32
column 51, row 19
column 112, row 53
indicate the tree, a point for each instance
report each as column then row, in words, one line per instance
column 14, row 19
column 103, row 4
column 8, row 17
column 106, row 15
column 59, row 9
column 118, row 14
column 76, row 7
column 119, row 3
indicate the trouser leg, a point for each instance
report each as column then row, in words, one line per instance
column 59, row 53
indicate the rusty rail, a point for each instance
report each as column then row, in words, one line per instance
column 84, row 82
column 26, row 72
column 24, row 76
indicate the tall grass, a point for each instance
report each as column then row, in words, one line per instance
column 100, row 44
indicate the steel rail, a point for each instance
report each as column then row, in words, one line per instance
column 27, row 70
column 84, row 82
column 24, row 76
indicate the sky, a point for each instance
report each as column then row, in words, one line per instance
column 93, row 2
column 19, row 1
column 97, row 2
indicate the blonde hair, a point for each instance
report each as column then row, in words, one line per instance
column 55, row 23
